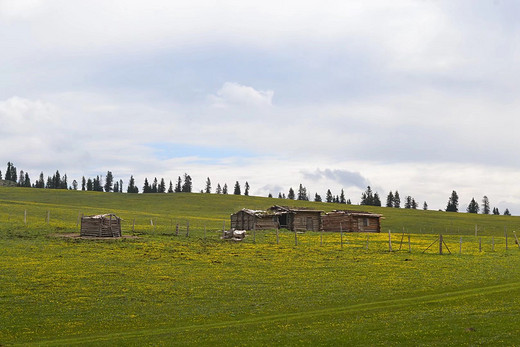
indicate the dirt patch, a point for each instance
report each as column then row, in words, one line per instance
column 77, row 236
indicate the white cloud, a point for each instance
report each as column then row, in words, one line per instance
column 234, row 94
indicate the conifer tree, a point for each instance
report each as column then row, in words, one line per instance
column 349, row 202
column 453, row 203
column 425, row 206
column 75, row 185
column 291, row 194
column 116, row 187
column 329, row 197
column 178, row 186
column 187, row 185
column 170, row 188
column 342, row 197
column 0, row 175
column 377, row 200
column 219, row 189
column 280, row 196
column 146, row 186
column 225, row 189
column 90, row 184
column 155, row 188
column 485, row 205
column 236, row 191
column 162, row 186
column 390, row 199
column 473, row 206
column 270, row 195
column 246, row 189
column 131, row 186
column 208, row 186
column 317, row 198
column 302, row 193
column 506, row 212
column 496, row 212
column 83, row 183
column 397, row 200
column 109, row 181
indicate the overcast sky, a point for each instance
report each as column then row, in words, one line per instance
column 415, row 96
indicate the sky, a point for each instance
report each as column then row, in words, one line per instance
column 415, row 96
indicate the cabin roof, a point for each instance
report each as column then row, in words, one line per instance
column 356, row 213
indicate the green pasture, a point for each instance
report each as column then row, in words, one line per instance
column 162, row 289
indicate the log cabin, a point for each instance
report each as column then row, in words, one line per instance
column 352, row 221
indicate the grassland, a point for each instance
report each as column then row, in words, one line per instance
column 161, row 289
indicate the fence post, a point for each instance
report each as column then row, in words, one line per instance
column 25, row 217
column 187, row 228
column 389, row 241
column 476, row 228
column 480, row 244
column 133, row 225
column 409, row 245
column 505, row 233
column 493, row 243
column 440, row 244
column 223, row 229
column 516, row 238
column 277, row 237
column 254, row 233
column 460, row 245
column 321, row 238
column 368, row 236
column 295, row 238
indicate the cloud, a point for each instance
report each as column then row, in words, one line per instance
column 344, row 177
column 234, row 94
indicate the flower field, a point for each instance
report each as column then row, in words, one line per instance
column 162, row 289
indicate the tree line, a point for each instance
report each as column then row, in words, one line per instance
column 185, row 185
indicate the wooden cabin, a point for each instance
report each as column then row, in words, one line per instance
column 104, row 225
column 352, row 221
column 297, row 219
column 246, row 219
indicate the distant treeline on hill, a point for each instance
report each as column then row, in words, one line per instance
column 368, row 197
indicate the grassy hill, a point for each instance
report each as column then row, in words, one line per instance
column 211, row 210
column 161, row 289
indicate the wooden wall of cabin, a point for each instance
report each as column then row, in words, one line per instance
column 306, row 221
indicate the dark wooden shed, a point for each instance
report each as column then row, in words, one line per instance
column 246, row 219
column 352, row 221
column 103, row 225
column 297, row 219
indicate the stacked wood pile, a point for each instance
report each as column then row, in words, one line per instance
column 351, row 221
column 105, row 225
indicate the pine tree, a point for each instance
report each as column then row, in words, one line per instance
column 349, row 202
column 397, row 200
column 342, row 197
column 208, row 186
column 414, row 204
column 0, row 175
column 302, row 193
column 280, row 196
column 225, row 189
column 246, row 189
column 367, row 198
column 109, row 182
column 317, row 198
column 162, row 186
column 131, row 186
column 178, row 186
column 473, row 206
column 75, row 185
column 218, row 190
column 236, row 191
column 155, row 188
column 425, row 206
column 146, row 186
column 83, row 183
column 453, row 203
column 496, row 212
column 328, row 196
column 408, row 202
column 187, row 186
column 270, row 195
column 170, row 188
column 390, row 199
column 64, row 184
column 116, row 187
column 377, row 200
column 90, row 185
column 506, row 212
column 21, row 179
column 485, row 205
column 291, row 194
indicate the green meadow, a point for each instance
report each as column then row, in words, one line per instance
column 160, row 288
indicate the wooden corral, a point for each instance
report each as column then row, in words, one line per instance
column 297, row 219
column 105, row 225
column 246, row 219
column 352, row 221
